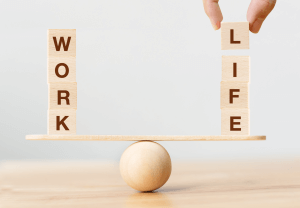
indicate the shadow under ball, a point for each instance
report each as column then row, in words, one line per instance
column 145, row 166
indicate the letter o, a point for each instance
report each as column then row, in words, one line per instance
column 66, row 72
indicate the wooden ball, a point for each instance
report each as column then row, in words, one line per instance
column 145, row 166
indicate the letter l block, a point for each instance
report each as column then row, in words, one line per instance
column 234, row 35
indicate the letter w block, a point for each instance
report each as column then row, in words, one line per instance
column 62, row 42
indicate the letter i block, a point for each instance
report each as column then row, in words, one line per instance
column 234, row 35
column 62, row 95
column 62, row 121
column 62, row 42
column 236, row 68
column 234, row 95
column 61, row 69
column 235, row 121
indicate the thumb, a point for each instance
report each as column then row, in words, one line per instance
column 213, row 11
column 257, row 13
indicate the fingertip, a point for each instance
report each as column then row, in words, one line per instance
column 256, row 25
column 216, row 25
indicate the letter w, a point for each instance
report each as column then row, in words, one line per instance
column 62, row 42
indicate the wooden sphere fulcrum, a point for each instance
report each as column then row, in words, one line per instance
column 145, row 166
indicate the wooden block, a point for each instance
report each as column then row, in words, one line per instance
column 62, row 69
column 235, row 121
column 62, row 42
column 236, row 68
column 234, row 35
column 146, row 137
column 62, row 95
column 62, row 121
column 234, row 95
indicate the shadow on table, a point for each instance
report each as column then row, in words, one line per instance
column 148, row 199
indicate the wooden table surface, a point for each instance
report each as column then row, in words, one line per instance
column 245, row 183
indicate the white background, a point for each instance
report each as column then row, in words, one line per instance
column 146, row 68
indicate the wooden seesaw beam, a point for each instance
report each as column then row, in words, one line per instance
column 145, row 138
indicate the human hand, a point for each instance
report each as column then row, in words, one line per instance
column 257, row 12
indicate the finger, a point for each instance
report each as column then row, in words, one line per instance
column 257, row 13
column 213, row 11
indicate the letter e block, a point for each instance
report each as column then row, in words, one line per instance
column 236, row 68
column 235, row 121
column 62, row 42
column 234, row 95
column 62, row 95
column 61, row 69
column 234, row 35
column 61, row 121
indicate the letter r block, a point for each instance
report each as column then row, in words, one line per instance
column 234, row 35
column 62, row 42
column 235, row 121
column 234, row 95
column 62, row 95
column 61, row 121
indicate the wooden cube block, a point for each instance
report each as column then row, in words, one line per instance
column 236, row 68
column 234, row 35
column 62, row 42
column 62, row 69
column 62, row 121
column 62, row 95
column 235, row 121
column 234, row 95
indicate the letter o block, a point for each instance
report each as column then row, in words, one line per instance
column 61, row 69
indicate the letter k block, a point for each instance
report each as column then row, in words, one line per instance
column 62, row 121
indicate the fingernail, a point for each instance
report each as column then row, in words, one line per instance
column 216, row 25
column 256, row 25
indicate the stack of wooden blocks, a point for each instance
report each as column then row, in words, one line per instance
column 62, row 86
column 235, row 116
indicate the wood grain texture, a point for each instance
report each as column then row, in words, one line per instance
column 260, row 183
column 56, row 62
column 145, row 138
column 240, row 34
column 60, row 117
column 65, row 34
column 62, row 95
column 228, row 97
column 239, row 126
column 236, row 68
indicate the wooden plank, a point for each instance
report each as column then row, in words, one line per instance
column 235, row 121
column 62, row 95
column 236, row 68
column 234, row 95
column 62, row 42
column 145, row 137
column 62, row 69
column 234, row 35
column 62, row 121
